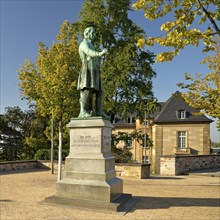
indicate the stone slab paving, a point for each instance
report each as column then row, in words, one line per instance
column 160, row 198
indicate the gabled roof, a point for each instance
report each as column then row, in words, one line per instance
column 169, row 112
column 120, row 122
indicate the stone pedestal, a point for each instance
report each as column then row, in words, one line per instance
column 90, row 178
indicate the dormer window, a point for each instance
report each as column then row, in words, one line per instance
column 131, row 120
column 182, row 114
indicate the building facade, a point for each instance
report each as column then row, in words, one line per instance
column 175, row 129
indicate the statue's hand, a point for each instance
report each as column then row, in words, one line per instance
column 103, row 52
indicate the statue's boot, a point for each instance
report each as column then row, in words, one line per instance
column 99, row 105
column 85, row 104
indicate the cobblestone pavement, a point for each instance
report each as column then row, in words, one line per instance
column 160, row 198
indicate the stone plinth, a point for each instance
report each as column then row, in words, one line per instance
column 90, row 177
column 139, row 171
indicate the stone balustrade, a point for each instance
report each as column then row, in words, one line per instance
column 182, row 151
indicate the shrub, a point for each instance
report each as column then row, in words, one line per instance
column 45, row 154
column 121, row 155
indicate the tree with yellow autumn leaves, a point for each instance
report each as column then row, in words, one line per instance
column 192, row 22
column 51, row 82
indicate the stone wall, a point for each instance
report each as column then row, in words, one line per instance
column 167, row 165
column 140, row 171
column 47, row 163
column 20, row 165
column 177, row 165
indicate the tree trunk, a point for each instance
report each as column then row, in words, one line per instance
column 52, row 146
column 60, row 152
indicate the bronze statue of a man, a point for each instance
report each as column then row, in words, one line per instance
column 89, row 81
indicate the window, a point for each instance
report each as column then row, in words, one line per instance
column 182, row 114
column 181, row 139
column 143, row 159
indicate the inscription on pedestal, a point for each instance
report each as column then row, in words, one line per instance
column 85, row 138
column 106, row 137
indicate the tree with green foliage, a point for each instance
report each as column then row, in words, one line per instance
column 8, row 136
column 126, row 70
column 16, row 128
column 36, row 138
column 215, row 144
column 22, row 134
column 191, row 22
column 51, row 82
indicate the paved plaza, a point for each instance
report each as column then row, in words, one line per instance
column 173, row 197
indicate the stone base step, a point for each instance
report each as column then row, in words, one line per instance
column 121, row 204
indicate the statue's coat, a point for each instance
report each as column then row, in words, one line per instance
column 89, row 77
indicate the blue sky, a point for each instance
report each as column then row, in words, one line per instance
column 26, row 23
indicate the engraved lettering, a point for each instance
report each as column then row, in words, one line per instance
column 86, row 141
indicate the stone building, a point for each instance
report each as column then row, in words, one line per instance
column 175, row 129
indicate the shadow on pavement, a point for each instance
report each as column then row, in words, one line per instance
column 168, row 202
column 6, row 200
column 165, row 178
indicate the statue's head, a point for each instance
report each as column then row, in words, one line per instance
column 89, row 33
